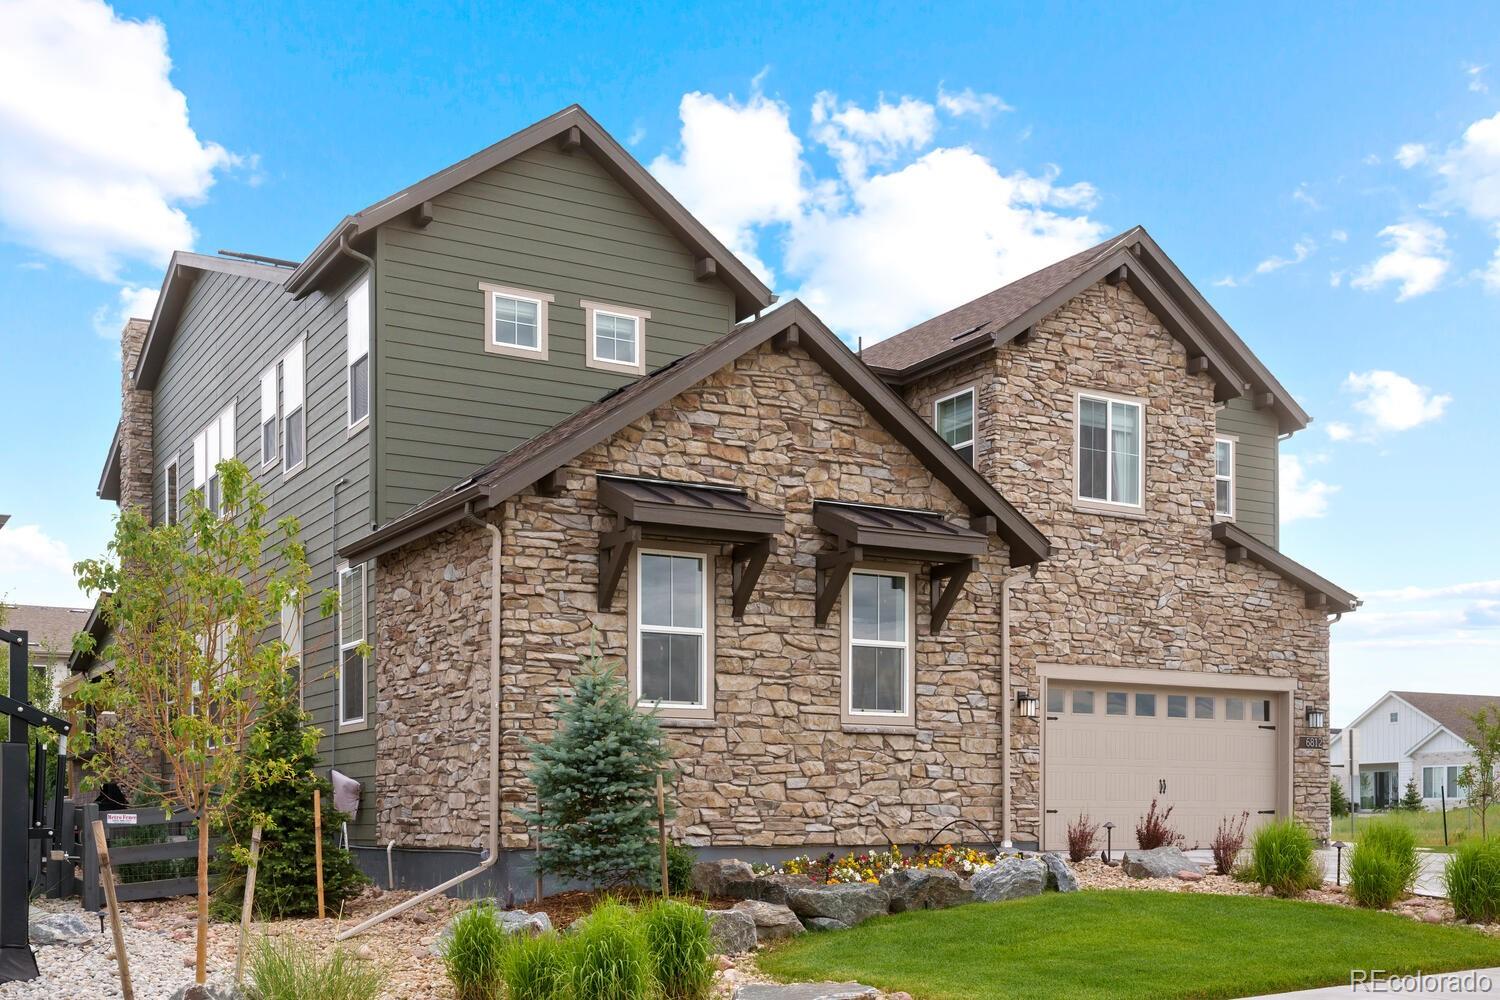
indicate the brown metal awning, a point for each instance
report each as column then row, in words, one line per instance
column 869, row 531
column 685, row 510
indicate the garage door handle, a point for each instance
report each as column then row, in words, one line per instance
column 1161, row 786
column 1051, row 718
column 1267, row 727
column 1051, row 812
column 1266, row 812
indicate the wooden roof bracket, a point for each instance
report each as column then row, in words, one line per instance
column 833, row 571
column 705, row 268
column 1118, row 276
column 746, row 562
column 946, row 581
column 615, row 550
column 421, row 216
column 1236, row 553
column 786, row 339
column 571, row 140
column 1197, row 365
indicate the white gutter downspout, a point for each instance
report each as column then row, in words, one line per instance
column 493, row 854
column 1006, row 582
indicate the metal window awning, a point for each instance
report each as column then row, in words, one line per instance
column 870, row 531
column 685, row 510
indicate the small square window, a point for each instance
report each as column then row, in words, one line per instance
column 1394, row 717
column 1203, row 706
column 1116, row 703
column 1234, row 709
column 615, row 337
column 1177, row 706
column 1057, row 699
column 1083, row 702
column 517, row 322
column 1145, row 704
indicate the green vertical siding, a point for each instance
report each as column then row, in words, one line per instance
column 547, row 222
column 231, row 329
column 1255, row 475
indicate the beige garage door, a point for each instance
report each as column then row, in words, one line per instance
column 1108, row 751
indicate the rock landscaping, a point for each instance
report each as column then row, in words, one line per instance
column 926, row 889
column 1159, row 862
column 1010, row 878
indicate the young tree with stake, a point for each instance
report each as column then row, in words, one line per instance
column 1477, row 780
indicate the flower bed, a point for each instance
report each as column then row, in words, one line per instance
column 868, row 867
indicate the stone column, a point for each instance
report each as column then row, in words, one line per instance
column 136, row 465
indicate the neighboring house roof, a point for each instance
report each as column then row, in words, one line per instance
column 1001, row 316
column 573, row 128
column 1450, row 711
column 1321, row 593
column 49, row 628
column 554, row 448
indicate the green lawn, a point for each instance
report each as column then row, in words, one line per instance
column 1463, row 823
column 1123, row 944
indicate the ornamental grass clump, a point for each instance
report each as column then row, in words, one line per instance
column 1281, row 859
column 1472, row 881
column 1383, row 867
column 609, row 958
column 288, row 969
column 473, row 951
column 535, row 968
column 677, row 937
column 1082, row 833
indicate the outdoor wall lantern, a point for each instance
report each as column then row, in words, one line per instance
column 1026, row 704
column 1316, row 717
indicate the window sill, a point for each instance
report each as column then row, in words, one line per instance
column 1223, row 517
column 895, row 728
column 289, row 473
column 1110, row 510
column 354, row 727
column 668, row 722
column 616, row 368
column 364, row 422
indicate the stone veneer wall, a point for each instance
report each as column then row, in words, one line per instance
column 775, row 767
column 1152, row 592
column 135, row 422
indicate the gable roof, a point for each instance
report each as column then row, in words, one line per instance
column 575, row 128
column 1450, row 711
column 1321, row 593
column 996, row 318
column 50, row 628
column 553, row 448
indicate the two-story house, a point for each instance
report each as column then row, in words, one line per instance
column 529, row 409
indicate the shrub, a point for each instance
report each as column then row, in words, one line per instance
column 472, row 953
column 1082, row 833
column 608, row 956
column 1228, row 842
column 288, row 969
column 1411, row 800
column 1281, row 858
column 678, row 939
column 534, row 968
column 680, row 862
column 1338, row 802
column 1472, row 880
column 1152, row 830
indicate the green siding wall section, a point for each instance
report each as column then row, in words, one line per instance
column 547, row 222
column 232, row 328
column 1255, row 474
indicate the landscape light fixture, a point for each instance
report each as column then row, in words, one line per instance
column 1026, row 704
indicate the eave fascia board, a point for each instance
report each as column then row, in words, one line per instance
column 1340, row 601
column 109, row 477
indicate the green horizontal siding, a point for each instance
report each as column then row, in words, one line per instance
column 1255, row 471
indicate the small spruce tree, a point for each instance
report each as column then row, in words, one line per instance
column 1338, row 802
column 1412, row 799
column 281, row 764
column 596, row 785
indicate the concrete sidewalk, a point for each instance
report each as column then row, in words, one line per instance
column 1474, row 983
column 1429, row 879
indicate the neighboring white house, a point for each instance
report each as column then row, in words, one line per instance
column 1405, row 735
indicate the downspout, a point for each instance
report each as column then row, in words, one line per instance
column 1006, row 582
column 493, row 854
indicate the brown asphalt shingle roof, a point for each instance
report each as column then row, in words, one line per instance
column 50, row 629
column 1449, row 710
column 988, row 312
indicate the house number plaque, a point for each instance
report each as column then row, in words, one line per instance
column 1311, row 743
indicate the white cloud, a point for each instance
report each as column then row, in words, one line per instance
column 903, row 230
column 1301, row 497
column 1228, row 281
column 1305, row 196
column 1409, row 154
column 1338, row 430
column 1475, row 589
column 131, row 302
column 1394, row 402
column 1339, row 236
column 36, row 569
column 1300, row 252
column 967, row 102
column 1416, row 261
column 97, row 156
column 1476, row 78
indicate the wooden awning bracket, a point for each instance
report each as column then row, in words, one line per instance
column 833, row 570
column 746, row 562
column 615, row 550
column 946, row 581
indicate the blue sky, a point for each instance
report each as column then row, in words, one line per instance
column 1331, row 180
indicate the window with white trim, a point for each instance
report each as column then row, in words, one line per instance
column 1110, row 467
column 291, row 634
column 352, row 664
column 268, row 413
column 879, row 643
column 672, row 624
column 170, row 488
column 953, row 417
column 294, row 410
column 1224, row 477
column 615, row 337
column 1440, row 781
column 357, row 353
column 212, row 445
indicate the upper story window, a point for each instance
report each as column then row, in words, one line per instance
column 953, row 416
column 214, row 444
column 1110, row 452
column 357, row 355
column 1224, row 477
column 515, row 321
column 615, row 337
column 351, row 640
column 268, row 411
column 294, row 410
column 1395, row 717
column 673, row 620
column 170, row 489
column 878, row 632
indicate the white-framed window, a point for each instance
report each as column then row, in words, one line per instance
column 1224, row 477
column 954, row 418
column 291, row 634
column 1395, row 716
column 1440, row 781
column 212, row 445
column 515, row 321
column 1110, row 452
column 615, row 337
column 357, row 354
column 171, row 486
column 294, row 409
column 268, row 414
column 673, row 615
column 879, row 653
column 352, row 664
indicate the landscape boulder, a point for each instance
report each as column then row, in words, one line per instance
column 773, row 921
column 63, row 928
column 1009, row 878
column 1159, row 862
column 731, row 932
column 511, row 922
column 712, row 878
column 849, row 903
column 805, row 991
column 824, row 924
column 925, row 889
column 1059, row 875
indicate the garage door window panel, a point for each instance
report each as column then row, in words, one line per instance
column 1145, row 704
column 1057, row 700
column 1083, row 702
column 1203, row 707
column 1116, row 703
column 1177, row 707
